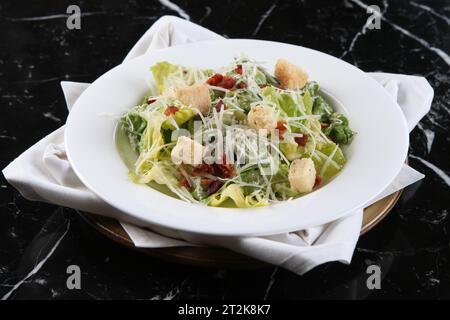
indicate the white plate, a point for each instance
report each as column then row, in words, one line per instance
column 374, row 158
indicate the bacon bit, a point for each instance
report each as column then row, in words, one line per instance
column 230, row 171
column 219, row 80
column 281, row 127
column 218, row 170
column 301, row 141
column 224, row 170
column 214, row 187
column 262, row 86
column 184, row 182
column 318, row 181
column 238, row 69
column 197, row 172
column 227, row 82
column 215, row 79
column 219, row 105
column 202, row 169
column 150, row 101
column 324, row 125
column 206, row 182
column 241, row 85
column 171, row 110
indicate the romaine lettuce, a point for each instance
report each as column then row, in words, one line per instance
column 171, row 76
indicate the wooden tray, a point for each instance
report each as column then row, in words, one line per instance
column 219, row 257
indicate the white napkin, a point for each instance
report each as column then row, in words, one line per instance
column 42, row 173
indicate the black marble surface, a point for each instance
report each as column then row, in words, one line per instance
column 38, row 241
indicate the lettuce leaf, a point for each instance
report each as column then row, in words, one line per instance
column 338, row 129
column 308, row 102
column 290, row 150
column 168, row 75
column 284, row 190
column 313, row 88
column 321, row 107
column 183, row 115
column 327, row 169
column 282, row 101
column 281, row 185
column 161, row 71
column 150, row 141
column 286, row 103
column 262, row 77
column 134, row 124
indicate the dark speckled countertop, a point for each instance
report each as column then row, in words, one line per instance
column 38, row 241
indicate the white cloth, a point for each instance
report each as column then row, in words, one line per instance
column 42, row 173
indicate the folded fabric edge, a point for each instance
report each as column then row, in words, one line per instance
column 72, row 91
column 14, row 176
column 341, row 252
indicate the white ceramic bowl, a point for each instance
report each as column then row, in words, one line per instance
column 374, row 158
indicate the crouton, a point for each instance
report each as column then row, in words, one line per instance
column 196, row 96
column 290, row 75
column 302, row 175
column 187, row 151
column 262, row 117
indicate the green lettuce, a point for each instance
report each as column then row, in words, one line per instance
column 183, row 115
column 281, row 185
column 135, row 125
column 338, row 129
column 287, row 102
column 168, row 75
column 328, row 169
column 161, row 71
column 290, row 150
column 282, row 101
column 308, row 102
